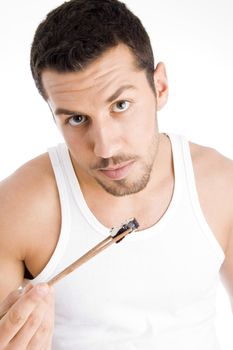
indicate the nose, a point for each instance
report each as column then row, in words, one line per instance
column 106, row 140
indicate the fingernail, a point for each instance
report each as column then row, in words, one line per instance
column 20, row 290
column 42, row 289
column 24, row 288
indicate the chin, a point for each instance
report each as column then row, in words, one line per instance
column 124, row 188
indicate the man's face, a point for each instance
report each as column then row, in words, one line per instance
column 107, row 115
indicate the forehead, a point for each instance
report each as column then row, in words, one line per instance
column 116, row 66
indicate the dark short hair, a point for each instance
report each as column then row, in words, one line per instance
column 76, row 33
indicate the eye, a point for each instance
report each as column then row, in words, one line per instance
column 76, row 120
column 120, row 106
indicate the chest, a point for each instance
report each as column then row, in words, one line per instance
column 163, row 274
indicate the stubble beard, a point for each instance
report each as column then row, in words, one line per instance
column 124, row 187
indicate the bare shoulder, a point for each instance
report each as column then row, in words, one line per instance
column 30, row 213
column 213, row 168
column 210, row 156
column 214, row 180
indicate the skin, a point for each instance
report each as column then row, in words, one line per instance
column 117, row 137
column 24, row 323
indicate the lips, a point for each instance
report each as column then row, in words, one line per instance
column 119, row 172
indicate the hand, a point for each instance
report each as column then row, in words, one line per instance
column 26, row 319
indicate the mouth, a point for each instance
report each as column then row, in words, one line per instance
column 117, row 172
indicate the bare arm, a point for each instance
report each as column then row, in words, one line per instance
column 214, row 179
column 227, row 205
column 227, row 267
column 24, row 223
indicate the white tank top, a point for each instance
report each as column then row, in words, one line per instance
column 154, row 290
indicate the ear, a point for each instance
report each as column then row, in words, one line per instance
column 161, row 85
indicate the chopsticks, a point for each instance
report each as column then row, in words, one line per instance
column 116, row 235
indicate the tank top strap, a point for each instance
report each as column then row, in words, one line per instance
column 194, row 198
column 55, row 155
column 178, row 161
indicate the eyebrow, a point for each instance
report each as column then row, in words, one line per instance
column 113, row 97
column 60, row 111
column 119, row 91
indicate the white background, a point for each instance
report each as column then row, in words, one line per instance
column 194, row 38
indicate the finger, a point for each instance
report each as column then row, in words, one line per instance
column 50, row 342
column 18, row 314
column 34, row 322
column 42, row 339
column 47, row 345
column 12, row 298
column 23, row 337
column 9, row 301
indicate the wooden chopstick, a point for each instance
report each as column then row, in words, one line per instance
column 92, row 252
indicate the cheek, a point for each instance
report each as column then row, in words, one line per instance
column 143, row 123
column 142, row 139
column 72, row 137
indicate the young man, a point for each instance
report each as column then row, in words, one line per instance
column 92, row 62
